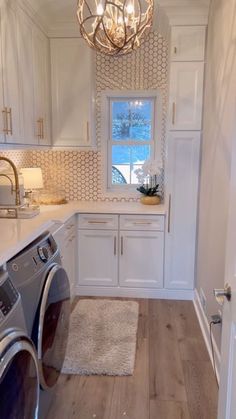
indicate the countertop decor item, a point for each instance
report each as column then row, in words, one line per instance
column 51, row 197
column 33, row 181
column 148, row 175
column 115, row 27
column 102, row 338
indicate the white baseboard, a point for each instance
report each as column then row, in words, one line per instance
column 164, row 294
column 203, row 321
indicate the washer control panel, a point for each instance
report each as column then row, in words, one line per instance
column 8, row 297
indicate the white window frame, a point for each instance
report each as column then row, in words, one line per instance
column 117, row 190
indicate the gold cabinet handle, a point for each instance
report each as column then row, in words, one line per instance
column 175, row 50
column 38, row 128
column 146, row 223
column 42, row 129
column 114, row 245
column 9, row 114
column 173, row 112
column 88, row 137
column 97, row 222
column 121, row 245
column 5, row 121
column 169, row 214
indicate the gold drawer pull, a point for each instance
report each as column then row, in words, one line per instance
column 122, row 246
column 97, row 222
column 142, row 222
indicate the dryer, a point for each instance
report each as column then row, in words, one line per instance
column 44, row 287
column 19, row 378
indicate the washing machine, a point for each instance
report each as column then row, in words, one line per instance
column 19, row 377
column 44, row 287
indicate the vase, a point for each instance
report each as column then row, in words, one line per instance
column 150, row 200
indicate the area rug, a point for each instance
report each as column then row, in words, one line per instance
column 102, row 338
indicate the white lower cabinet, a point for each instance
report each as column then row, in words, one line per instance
column 98, row 257
column 141, row 259
column 66, row 240
column 120, row 258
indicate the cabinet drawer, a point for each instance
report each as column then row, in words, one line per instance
column 98, row 221
column 142, row 222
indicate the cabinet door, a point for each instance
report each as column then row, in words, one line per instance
column 98, row 257
column 25, row 39
column 41, row 70
column 72, row 92
column 11, row 80
column 69, row 262
column 188, row 43
column 186, row 91
column 183, row 174
column 141, row 259
column 2, row 115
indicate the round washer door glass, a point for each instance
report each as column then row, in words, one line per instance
column 53, row 325
column 19, row 387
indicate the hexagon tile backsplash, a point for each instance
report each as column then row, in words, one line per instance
column 79, row 173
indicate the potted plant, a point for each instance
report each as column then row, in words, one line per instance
column 148, row 175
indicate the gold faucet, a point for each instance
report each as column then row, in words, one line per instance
column 17, row 185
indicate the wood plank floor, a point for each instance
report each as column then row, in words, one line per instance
column 173, row 376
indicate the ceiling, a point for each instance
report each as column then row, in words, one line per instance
column 55, row 11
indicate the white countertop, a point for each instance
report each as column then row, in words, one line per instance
column 16, row 234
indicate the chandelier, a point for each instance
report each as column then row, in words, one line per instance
column 115, row 27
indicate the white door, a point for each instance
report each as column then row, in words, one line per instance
column 227, row 399
column 186, row 90
column 98, row 257
column 141, row 259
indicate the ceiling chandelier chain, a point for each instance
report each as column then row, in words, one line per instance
column 115, row 27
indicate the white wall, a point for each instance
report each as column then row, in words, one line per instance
column 218, row 132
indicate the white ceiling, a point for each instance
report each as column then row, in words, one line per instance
column 56, row 11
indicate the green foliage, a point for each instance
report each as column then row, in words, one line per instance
column 146, row 190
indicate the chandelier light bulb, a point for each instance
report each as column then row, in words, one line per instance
column 130, row 8
column 100, row 9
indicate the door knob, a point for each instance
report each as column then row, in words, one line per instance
column 221, row 293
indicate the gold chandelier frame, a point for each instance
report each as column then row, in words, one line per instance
column 115, row 29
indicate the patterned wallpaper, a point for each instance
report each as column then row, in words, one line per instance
column 79, row 173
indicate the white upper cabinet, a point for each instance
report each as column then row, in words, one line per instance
column 12, row 110
column 188, row 43
column 186, row 92
column 41, row 77
column 24, row 78
column 72, row 92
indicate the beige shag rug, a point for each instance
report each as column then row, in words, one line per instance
column 102, row 338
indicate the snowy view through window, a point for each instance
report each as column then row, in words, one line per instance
column 132, row 134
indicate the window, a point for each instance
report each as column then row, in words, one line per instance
column 131, row 123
